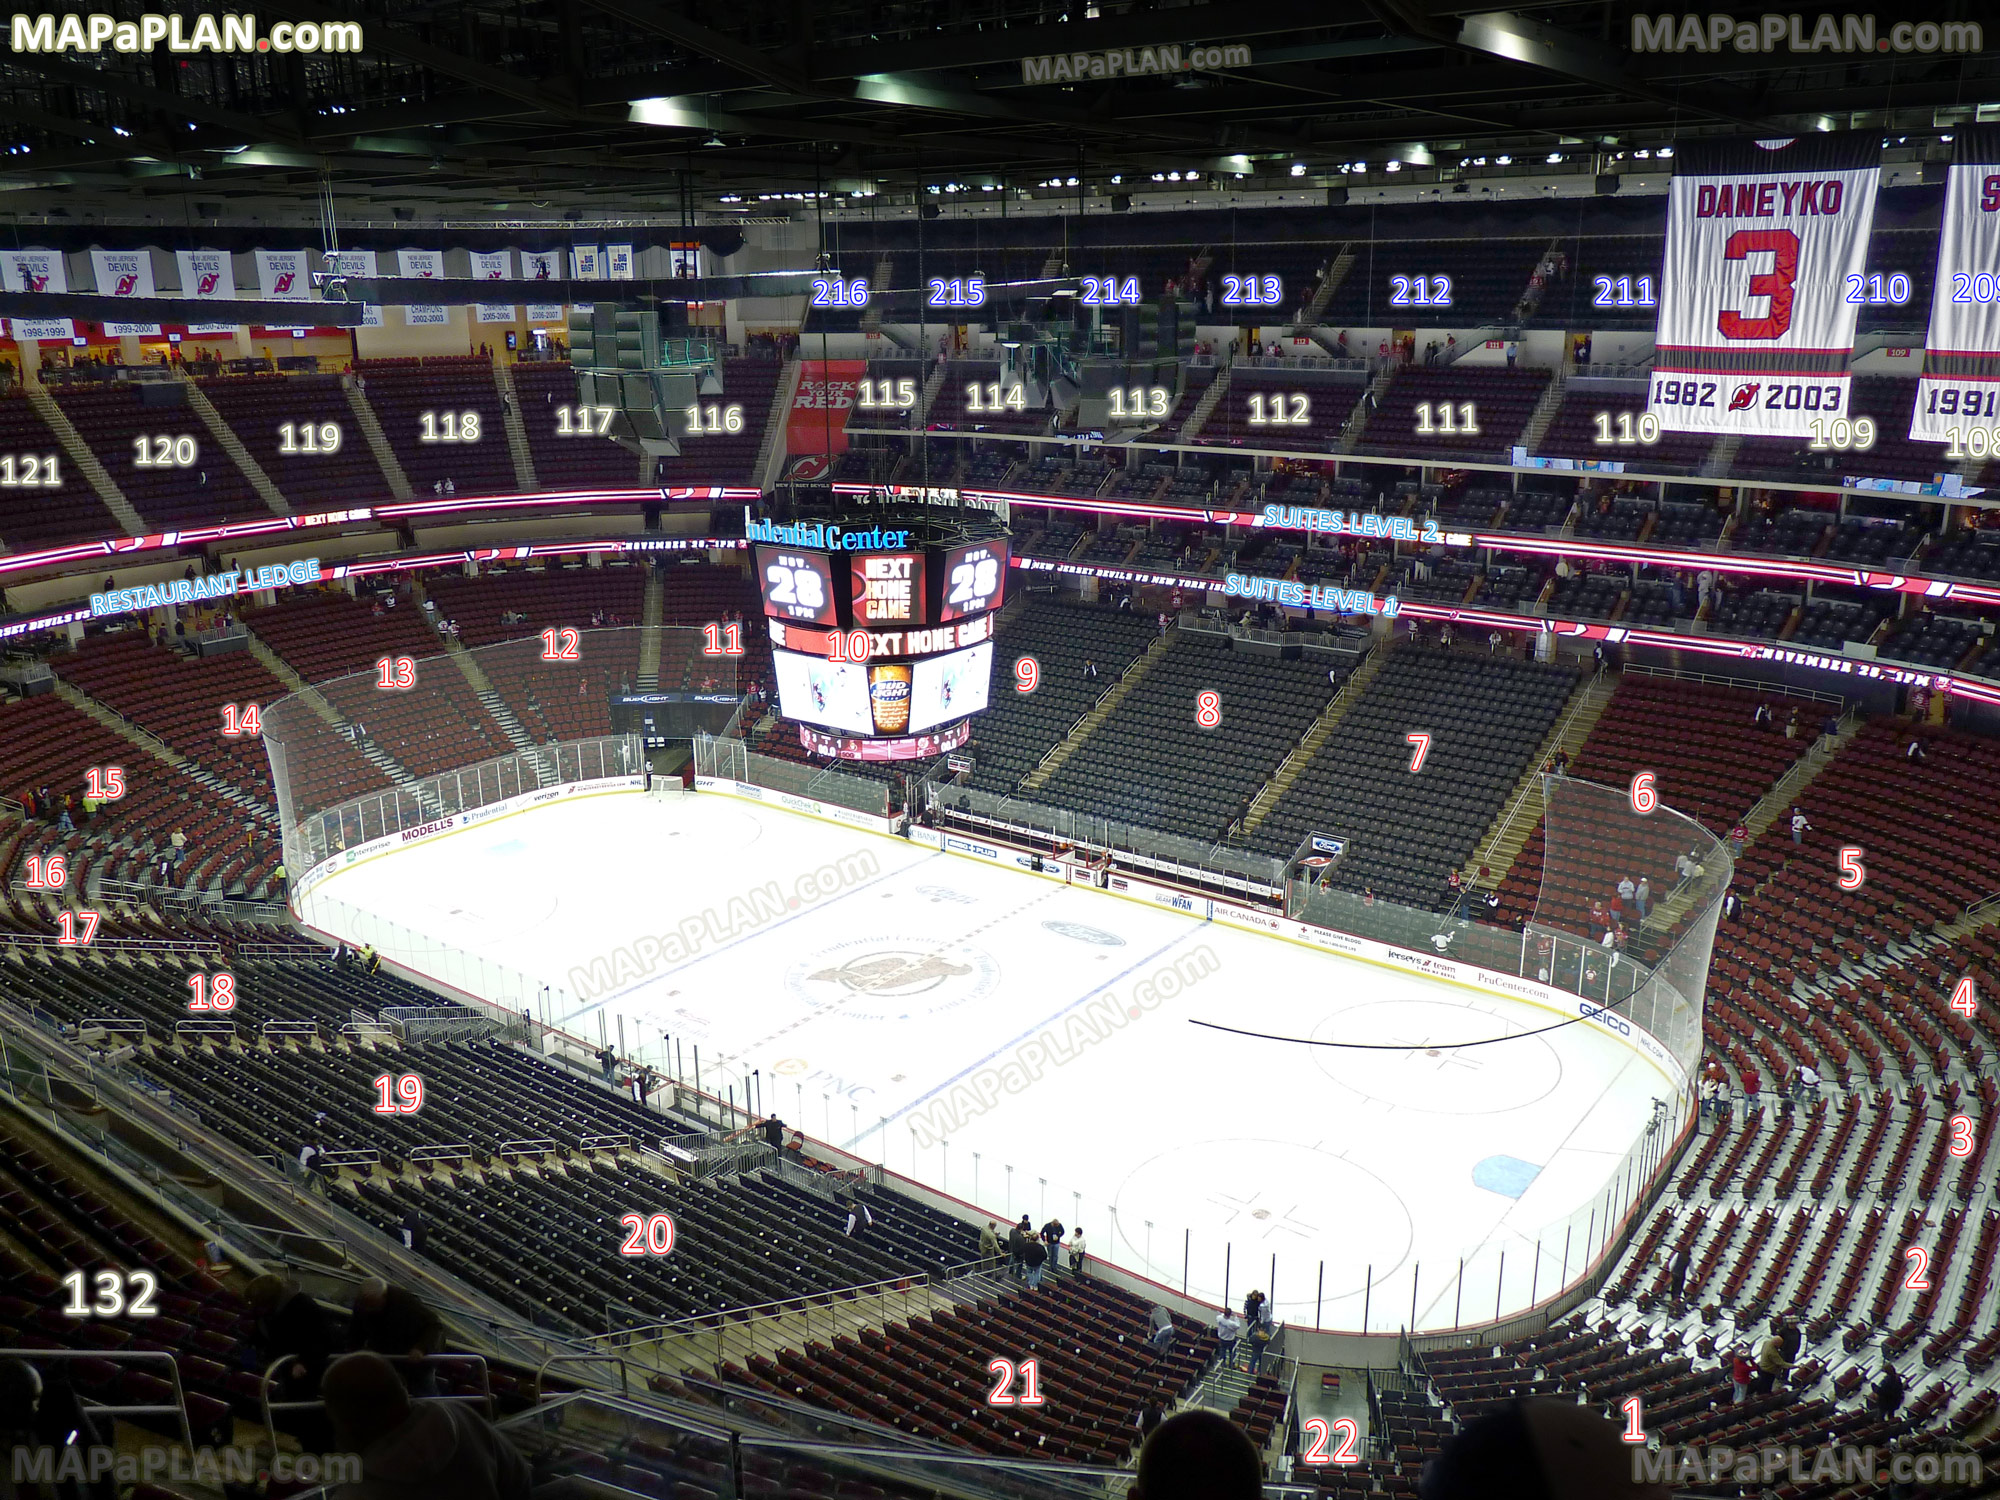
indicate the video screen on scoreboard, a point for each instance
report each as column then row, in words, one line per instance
column 951, row 686
column 796, row 585
column 975, row 579
column 813, row 690
column 888, row 588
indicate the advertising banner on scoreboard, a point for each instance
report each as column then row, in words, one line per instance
column 1960, row 387
column 819, row 410
column 1766, row 241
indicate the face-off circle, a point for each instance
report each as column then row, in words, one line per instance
column 1259, row 1196
column 1427, row 1074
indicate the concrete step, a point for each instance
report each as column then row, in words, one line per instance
column 1099, row 712
column 86, row 462
column 1315, row 738
column 378, row 444
column 517, row 431
column 231, row 444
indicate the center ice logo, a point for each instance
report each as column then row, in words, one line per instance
column 879, row 978
column 893, row 973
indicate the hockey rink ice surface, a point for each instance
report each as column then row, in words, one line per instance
column 995, row 1019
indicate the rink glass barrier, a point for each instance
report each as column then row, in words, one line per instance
column 730, row 759
column 418, row 736
column 1528, row 1271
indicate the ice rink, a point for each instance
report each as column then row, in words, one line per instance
column 1028, row 1046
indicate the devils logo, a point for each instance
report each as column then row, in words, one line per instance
column 1742, row 397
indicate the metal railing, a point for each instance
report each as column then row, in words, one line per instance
column 711, row 1340
column 1533, row 790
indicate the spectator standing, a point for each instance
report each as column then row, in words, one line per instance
column 1626, row 890
column 1162, row 1336
column 1771, row 1366
column 1260, row 1336
column 1738, row 837
column 1253, row 1308
column 1052, row 1234
column 415, row 1233
column 290, row 1322
column 1077, row 1251
column 1017, row 1239
column 395, row 1323
column 1642, row 893
column 1799, row 826
column 1731, row 905
column 1513, row 353
column 1036, row 1259
column 989, row 1241
column 431, row 1450
column 1677, row 1273
column 1740, row 1375
column 1711, row 1098
column 1763, row 717
column 1198, row 1455
column 1228, row 1329
column 1792, row 725
column 1889, row 1393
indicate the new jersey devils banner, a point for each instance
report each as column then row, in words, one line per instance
column 428, row 264
column 206, row 273
column 818, row 422
column 284, row 275
column 1756, row 326
column 1960, row 387
column 123, row 273
column 34, row 271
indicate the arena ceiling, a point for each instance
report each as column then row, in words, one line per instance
column 620, row 107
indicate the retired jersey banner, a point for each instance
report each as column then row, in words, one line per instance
column 206, row 273
column 123, row 273
column 1756, row 316
column 1960, row 387
column 818, row 422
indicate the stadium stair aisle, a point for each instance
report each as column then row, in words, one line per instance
column 378, row 443
column 1504, row 840
column 231, row 444
column 80, row 454
column 518, row 450
column 1060, row 752
column 1485, row 715
column 1349, row 691
column 1018, row 731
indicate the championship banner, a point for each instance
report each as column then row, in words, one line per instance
column 284, row 275
column 427, row 264
column 588, row 263
column 541, row 265
column 131, row 330
column 545, row 312
column 123, row 273
column 618, row 262
column 206, row 273
column 1766, row 240
column 818, row 422
column 34, row 271
column 1960, row 387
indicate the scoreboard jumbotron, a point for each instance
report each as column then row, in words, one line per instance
column 881, row 631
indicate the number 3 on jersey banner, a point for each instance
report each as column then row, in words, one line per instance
column 1755, row 332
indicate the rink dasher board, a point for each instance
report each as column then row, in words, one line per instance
column 1207, row 909
column 450, row 823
